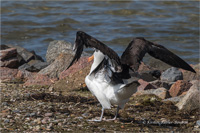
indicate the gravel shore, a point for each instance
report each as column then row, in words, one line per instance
column 41, row 108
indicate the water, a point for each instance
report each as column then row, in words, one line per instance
column 33, row 24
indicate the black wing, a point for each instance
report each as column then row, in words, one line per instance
column 138, row 47
column 83, row 39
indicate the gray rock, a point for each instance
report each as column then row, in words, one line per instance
column 191, row 100
column 59, row 65
column 157, row 64
column 16, row 111
column 174, row 100
column 160, row 92
column 171, row 75
column 164, row 84
column 57, row 47
column 33, row 66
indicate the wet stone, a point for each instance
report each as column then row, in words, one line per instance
column 171, row 75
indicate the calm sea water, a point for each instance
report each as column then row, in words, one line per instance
column 33, row 24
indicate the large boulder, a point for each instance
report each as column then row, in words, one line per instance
column 58, row 65
column 55, row 48
column 191, row 100
column 171, row 75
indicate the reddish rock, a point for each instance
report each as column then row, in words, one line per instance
column 191, row 100
column 187, row 75
column 77, row 67
column 8, row 53
column 144, row 85
column 7, row 74
column 11, row 62
column 39, row 79
column 179, row 87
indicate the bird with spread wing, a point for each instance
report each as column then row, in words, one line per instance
column 108, row 76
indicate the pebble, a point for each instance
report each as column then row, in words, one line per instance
column 103, row 130
column 16, row 111
column 48, row 114
column 32, row 114
column 9, row 116
column 198, row 123
column 6, row 121
column 85, row 114
column 27, row 114
column 45, row 120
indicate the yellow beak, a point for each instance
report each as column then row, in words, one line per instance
column 91, row 58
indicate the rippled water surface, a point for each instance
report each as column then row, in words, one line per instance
column 33, row 24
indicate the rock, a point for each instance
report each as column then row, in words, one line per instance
column 160, row 92
column 33, row 114
column 171, row 75
column 11, row 63
column 3, row 47
column 174, row 99
column 144, row 85
column 164, row 84
column 157, row 64
column 48, row 114
column 55, row 48
column 179, row 87
column 150, row 75
column 76, row 67
column 33, row 66
column 187, row 75
column 191, row 100
column 25, row 54
column 39, row 79
column 59, row 65
column 8, row 53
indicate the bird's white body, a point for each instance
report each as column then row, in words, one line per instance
column 100, row 85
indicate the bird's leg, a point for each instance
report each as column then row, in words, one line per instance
column 100, row 119
column 115, row 115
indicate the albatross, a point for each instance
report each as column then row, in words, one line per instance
column 110, row 78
